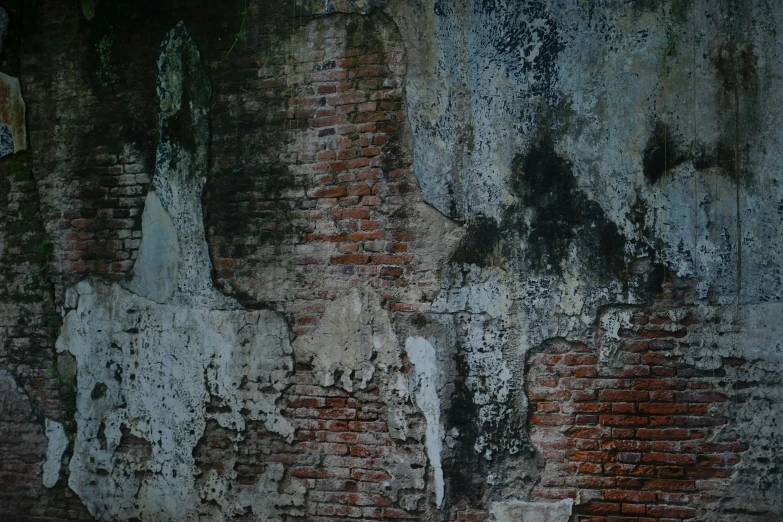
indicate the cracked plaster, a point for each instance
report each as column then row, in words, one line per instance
column 149, row 368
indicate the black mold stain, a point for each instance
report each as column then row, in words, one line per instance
column 661, row 154
column 478, row 245
column 503, row 432
column 736, row 68
column 721, row 155
column 678, row 8
column 664, row 152
column 561, row 215
column 98, row 391
column 465, row 472
column 419, row 321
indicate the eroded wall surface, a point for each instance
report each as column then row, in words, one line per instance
column 381, row 259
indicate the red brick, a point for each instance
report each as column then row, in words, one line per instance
column 662, row 408
column 580, row 359
column 622, row 420
column 326, row 121
column 671, row 511
column 367, row 236
column 392, row 259
column 587, row 456
column 349, row 259
column 662, row 434
column 551, row 419
column 603, row 508
column 638, row 497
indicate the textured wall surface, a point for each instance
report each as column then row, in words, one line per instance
column 391, row 259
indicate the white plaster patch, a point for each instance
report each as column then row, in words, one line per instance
column 155, row 271
column 353, row 337
column 149, row 369
column 58, row 443
column 425, row 388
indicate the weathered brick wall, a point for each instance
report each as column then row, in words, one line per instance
column 643, row 436
column 339, row 454
column 311, row 192
column 315, row 196
column 332, row 182
column 34, row 386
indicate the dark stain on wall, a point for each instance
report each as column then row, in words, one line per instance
column 478, row 245
column 661, row 154
column 560, row 215
column 465, row 471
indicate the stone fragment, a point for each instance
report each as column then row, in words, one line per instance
column 155, row 270
column 519, row 511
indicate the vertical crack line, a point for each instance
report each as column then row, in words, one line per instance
column 737, row 180
column 693, row 147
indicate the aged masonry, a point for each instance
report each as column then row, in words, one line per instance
column 391, row 260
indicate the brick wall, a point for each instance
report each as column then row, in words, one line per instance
column 28, row 326
column 310, row 193
column 339, row 454
column 327, row 206
column 642, row 437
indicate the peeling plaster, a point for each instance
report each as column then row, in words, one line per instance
column 58, row 443
column 610, row 323
column 353, row 338
column 148, row 368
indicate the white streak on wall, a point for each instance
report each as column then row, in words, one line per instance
column 425, row 387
